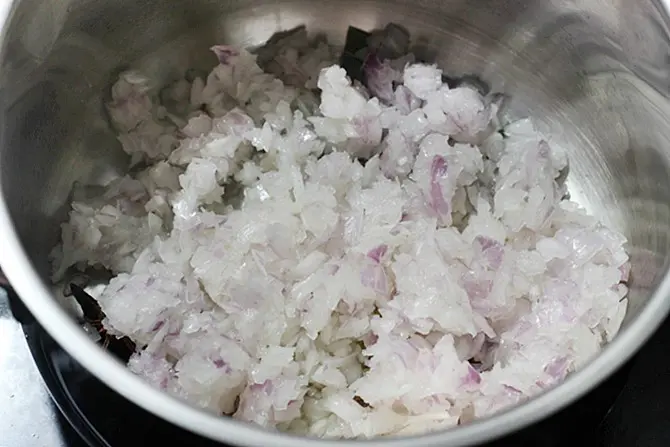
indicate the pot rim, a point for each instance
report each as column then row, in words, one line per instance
column 55, row 320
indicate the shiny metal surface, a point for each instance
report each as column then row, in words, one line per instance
column 596, row 72
column 27, row 415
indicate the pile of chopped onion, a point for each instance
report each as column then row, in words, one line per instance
column 342, row 259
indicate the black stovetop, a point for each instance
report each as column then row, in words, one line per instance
column 630, row 409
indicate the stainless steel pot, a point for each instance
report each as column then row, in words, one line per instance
column 597, row 72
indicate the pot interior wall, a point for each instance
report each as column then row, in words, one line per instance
column 594, row 72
